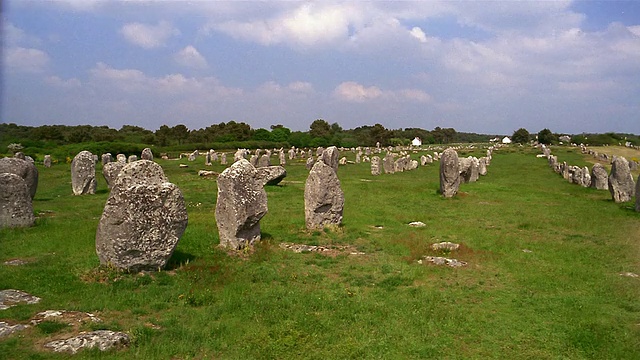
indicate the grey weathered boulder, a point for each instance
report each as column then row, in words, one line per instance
column 309, row 163
column 16, row 209
column 264, row 161
column 132, row 158
column 121, row 158
column 270, row 175
column 106, row 158
column 323, row 197
column 586, row 177
column 599, row 177
column 482, row 166
column 143, row 219
column 449, row 173
column 47, row 161
column 83, row 174
column 330, row 156
column 400, row 164
column 242, row 202
column 375, row 165
column 110, row 172
column 468, row 168
column 101, row 339
column 223, row 159
column 146, row 154
column 621, row 184
column 23, row 168
column 388, row 164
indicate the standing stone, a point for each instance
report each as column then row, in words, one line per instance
column 106, row 158
column 26, row 170
column 16, row 209
column 193, row 156
column 132, row 158
column 146, row 154
column 309, row 163
column 342, row 161
column 270, row 175
column 388, row 164
column 253, row 160
column 47, row 161
column 143, row 219
column 292, row 153
column 423, row 160
column 586, row 177
column 449, row 173
column 468, row 168
column 565, row 170
column 223, row 159
column 214, row 156
column 482, row 166
column 621, row 184
column 83, row 174
column 358, row 157
column 375, row 165
column 282, row 158
column 399, row 165
column 121, row 158
column 240, row 154
column 242, row 202
column 207, row 159
column 323, row 197
column 20, row 155
column 264, row 161
column 599, row 177
column 330, row 156
column 110, row 172
column 638, row 194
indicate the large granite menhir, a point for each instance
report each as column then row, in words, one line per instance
column 621, row 184
column 449, row 173
column 143, row 219
column 83, row 173
column 241, row 203
column 16, row 209
column 323, row 197
column 23, row 168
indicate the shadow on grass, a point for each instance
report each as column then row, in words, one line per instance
column 102, row 191
column 178, row 259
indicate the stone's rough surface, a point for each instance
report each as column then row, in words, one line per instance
column 375, row 165
column 599, row 177
column 443, row 261
column 309, row 163
column 101, row 339
column 449, row 173
column 11, row 297
column 482, row 166
column 323, row 197
column 264, row 161
column 621, row 184
column 206, row 173
column 121, row 158
column 270, row 175
column 417, row 224
column 7, row 329
column 26, row 170
column 468, row 168
column 147, row 154
column 106, row 158
column 638, row 194
column 242, row 202
column 330, row 157
column 16, row 209
column 132, row 158
column 110, row 172
column 445, row 246
column 83, row 174
column 388, row 164
column 143, row 219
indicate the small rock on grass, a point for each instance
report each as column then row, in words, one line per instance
column 417, row 224
column 11, row 297
column 7, row 329
column 443, row 261
column 102, row 339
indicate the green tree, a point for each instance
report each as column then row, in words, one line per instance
column 320, row 128
column 521, row 136
column 180, row 133
column 261, row 134
column 379, row 134
column 545, row 136
column 279, row 133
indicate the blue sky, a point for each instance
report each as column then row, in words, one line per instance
column 487, row 67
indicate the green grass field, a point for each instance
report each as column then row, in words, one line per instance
column 542, row 281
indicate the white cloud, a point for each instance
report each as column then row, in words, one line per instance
column 148, row 36
column 66, row 84
column 417, row 33
column 26, row 59
column 351, row 91
column 190, row 57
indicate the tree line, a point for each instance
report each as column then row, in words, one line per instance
column 320, row 133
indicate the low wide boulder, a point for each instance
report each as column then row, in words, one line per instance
column 143, row 219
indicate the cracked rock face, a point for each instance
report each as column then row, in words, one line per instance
column 16, row 209
column 241, row 203
column 142, row 221
column 11, row 297
column 101, row 339
column 23, row 168
column 83, row 174
column 323, row 197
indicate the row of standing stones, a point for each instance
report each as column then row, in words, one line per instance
column 619, row 182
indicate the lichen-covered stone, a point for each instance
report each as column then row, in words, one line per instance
column 23, row 168
column 110, row 172
column 375, row 165
column 270, row 175
column 330, row 156
column 241, row 203
column 102, row 339
column 83, row 174
column 599, row 177
column 621, row 184
column 143, row 219
column 146, row 154
column 16, row 209
column 449, row 173
column 323, row 197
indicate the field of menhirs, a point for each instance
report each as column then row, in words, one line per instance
column 521, row 263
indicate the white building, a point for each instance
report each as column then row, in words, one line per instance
column 416, row 142
column 506, row 140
